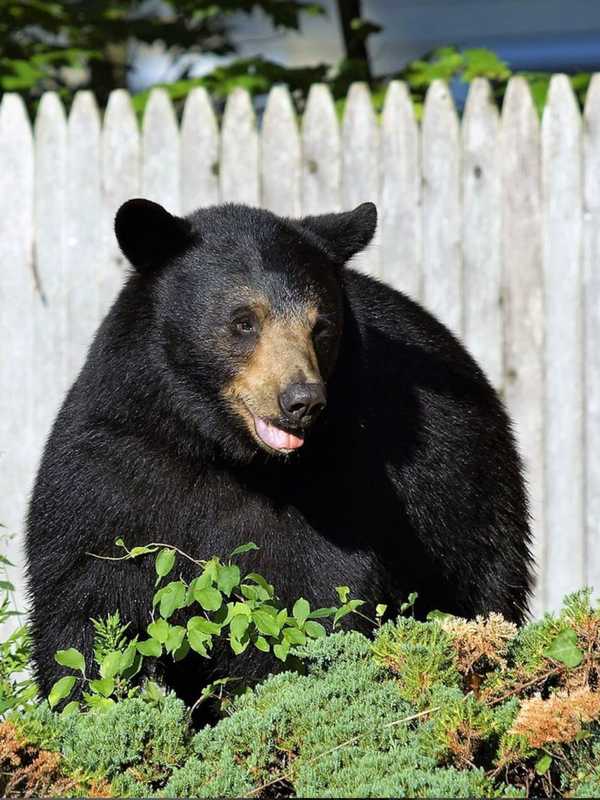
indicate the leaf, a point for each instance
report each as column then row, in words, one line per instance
column 127, row 657
column 437, row 616
column 380, row 610
column 228, row 578
column 98, row 702
column 258, row 593
column 265, row 623
column 543, row 764
column 250, row 592
column 234, row 609
column 268, row 587
column 262, row 644
column 281, row 651
column 294, row 636
column 151, row 647
column 175, row 638
column 159, row 630
column 210, row 599
column 165, row 562
column 198, row 642
column 154, row 692
column 181, row 651
column 119, row 542
column 564, row 649
column 243, row 548
column 111, row 664
column 171, row 597
column 343, row 592
column 282, row 617
column 410, row 601
column 203, row 625
column 319, row 613
column 103, row 686
column 203, row 580
column 346, row 609
column 70, row 708
column 238, row 646
column 239, row 625
column 71, row 658
column 61, row 689
column 314, row 629
column 135, row 552
column 301, row 610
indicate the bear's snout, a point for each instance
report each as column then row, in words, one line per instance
column 301, row 403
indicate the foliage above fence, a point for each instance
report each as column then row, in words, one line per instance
column 492, row 221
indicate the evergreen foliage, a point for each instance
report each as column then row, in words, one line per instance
column 443, row 708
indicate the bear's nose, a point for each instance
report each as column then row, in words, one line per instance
column 303, row 402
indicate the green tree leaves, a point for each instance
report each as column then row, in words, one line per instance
column 220, row 603
column 564, row 649
column 61, row 690
column 71, row 658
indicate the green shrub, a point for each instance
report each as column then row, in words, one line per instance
column 443, row 708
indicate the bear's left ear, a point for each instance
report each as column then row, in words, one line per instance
column 148, row 235
column 347, row 233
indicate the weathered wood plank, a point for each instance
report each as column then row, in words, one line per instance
column 160, row 152
column 199, row 152
column 523, row 299
column 120, row 182
column 18, row 452
column 85, row 257
column 321, row 154
column 239, row 151
column 481, row 231
column 51, row 300
column 400, row 193
column 360, row 165
column 562, row 211
column 591, row 311
column 280, row 158
column 442, row 256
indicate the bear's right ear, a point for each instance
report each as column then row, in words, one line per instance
column 148, row 235
column 344, row 234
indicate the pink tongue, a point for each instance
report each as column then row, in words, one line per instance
column 275, row 437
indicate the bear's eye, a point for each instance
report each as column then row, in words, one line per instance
column 244, row 323
column 323, row 327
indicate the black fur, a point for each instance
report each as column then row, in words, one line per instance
column 409, row 481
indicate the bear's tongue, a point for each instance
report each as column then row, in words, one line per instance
column 275, row 437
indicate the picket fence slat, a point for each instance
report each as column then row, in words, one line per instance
column 492, row 223
column 84, row 240
column 160, row 152
column 51, row 332
column 523, row 300
column 400, row 193
column 360, row 166
column 321, row 154
column 591, row 329
column 442, row 254
column 121, row 155
column 18, row 452
column 562, row 206
column 280, row 159
column 199, row 152
column 239, row 151
column 481, row 231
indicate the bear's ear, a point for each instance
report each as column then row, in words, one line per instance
column 148, row 235
column 347, row 233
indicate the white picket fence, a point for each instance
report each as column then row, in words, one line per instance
column 493, row 223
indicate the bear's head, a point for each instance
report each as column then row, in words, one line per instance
column 248, row 313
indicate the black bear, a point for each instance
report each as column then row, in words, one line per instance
column 247, row 386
